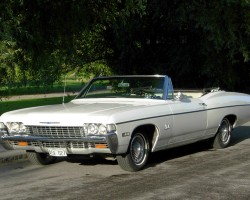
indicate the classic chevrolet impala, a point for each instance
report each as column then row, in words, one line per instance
column 126, row 117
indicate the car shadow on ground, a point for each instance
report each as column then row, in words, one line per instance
column 91, row 160
column 177, row 152
column 239, row 134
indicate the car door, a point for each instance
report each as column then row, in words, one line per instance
column 189, row 120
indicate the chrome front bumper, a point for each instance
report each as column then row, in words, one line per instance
column 107, row 144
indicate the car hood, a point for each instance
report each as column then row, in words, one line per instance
column 75, row 111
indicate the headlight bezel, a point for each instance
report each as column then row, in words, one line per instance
column 16, row 128
column 98, row 129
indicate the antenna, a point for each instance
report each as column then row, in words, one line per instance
column 64, row 89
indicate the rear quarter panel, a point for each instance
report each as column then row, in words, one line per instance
column 221, row 104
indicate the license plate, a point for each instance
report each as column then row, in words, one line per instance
column 57, row 152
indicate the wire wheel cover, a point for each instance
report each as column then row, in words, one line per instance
column 138, row 149
column 225, row 132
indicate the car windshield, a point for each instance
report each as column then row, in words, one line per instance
column 124, row 87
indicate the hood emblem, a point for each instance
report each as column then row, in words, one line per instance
column 49, row 122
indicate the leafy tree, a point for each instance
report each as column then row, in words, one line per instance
column 199, row 43
column 205, row 40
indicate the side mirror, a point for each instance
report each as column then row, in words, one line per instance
column 179, row 96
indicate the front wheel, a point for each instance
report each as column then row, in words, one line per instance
column 223, row 136
column 137, row 155
column 40, row 158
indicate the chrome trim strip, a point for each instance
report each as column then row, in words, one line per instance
column 183, row 113
column 44, row 139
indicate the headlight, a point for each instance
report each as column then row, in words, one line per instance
column 93, row 129
column 16, row 128
column 97, row 129
column 102, row 129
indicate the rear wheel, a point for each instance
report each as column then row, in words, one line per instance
column 137, row 155
column 40, row 158
column 223, row 136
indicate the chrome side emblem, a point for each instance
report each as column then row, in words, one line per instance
column 125, row 134
column 167, row 126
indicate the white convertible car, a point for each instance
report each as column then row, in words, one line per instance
column 126, row 117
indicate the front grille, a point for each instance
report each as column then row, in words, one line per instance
column 56, row 132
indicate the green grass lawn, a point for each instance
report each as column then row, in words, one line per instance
column 73, row 87
column 13, row 105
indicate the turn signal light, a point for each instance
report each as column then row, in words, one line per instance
column 101, row 146
column 22, row 143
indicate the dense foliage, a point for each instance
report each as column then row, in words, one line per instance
column 198, row 43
